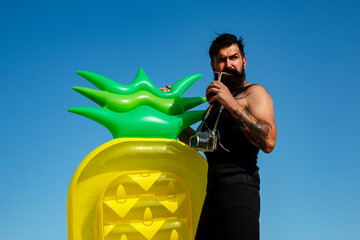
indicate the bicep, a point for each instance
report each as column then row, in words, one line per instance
column 261, row 107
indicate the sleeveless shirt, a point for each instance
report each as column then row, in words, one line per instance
column 239, row 163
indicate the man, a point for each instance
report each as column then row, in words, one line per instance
column 246, row 124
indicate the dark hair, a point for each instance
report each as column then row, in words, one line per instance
column 223, row 41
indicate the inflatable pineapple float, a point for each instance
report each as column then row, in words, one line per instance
column 143, row 184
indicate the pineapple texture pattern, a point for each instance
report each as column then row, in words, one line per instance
column 144, row 206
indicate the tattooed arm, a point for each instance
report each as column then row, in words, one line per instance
column 254, row 114
column 253, row 111
column 255, row 130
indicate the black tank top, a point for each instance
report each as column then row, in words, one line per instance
column 225, row 166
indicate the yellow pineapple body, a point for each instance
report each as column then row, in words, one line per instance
column 137, row 189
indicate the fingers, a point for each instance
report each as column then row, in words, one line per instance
column 213, row 100
column 217, row 92
column 215, row 84
column 167, row 88
column 215, row 88
column 211, row 91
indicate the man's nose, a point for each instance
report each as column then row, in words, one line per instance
column 228, row 63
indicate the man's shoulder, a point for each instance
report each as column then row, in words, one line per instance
column 259, row 95
column 255, row 89
column 256, row 93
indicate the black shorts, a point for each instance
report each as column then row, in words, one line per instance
column 230, row 213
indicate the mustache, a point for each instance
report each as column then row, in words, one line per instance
column 232, row 72
column 234, row 80
column 228, row 73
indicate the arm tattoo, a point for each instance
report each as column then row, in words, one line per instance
column 257, row 131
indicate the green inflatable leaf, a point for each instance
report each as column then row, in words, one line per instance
column 141, row 82
column 124, row 103
column 140, row 109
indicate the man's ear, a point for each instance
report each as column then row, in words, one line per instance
column 212, row 65
column 244, row 60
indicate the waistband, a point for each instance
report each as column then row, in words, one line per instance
column 240, row 178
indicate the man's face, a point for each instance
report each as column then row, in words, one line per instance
column 229, row 58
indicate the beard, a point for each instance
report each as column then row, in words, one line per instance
column 234, row 80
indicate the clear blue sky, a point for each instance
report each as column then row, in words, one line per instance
column 306, row 53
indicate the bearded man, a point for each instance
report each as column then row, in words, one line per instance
column 246, row 124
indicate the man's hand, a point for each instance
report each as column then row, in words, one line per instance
column 217, row 93
column 167, row 88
